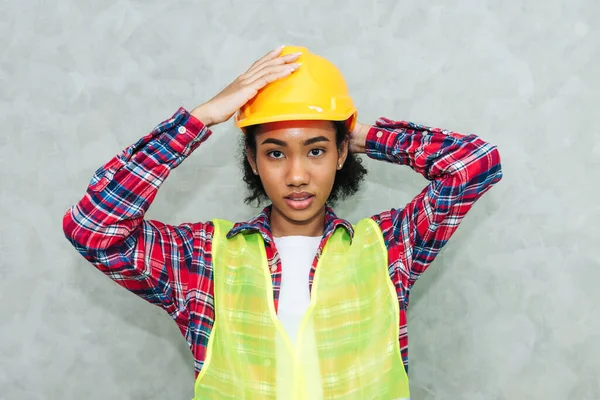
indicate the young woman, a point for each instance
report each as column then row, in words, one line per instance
column 296, row 302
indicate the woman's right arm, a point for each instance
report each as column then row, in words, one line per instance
column 107, row 226
column 156, row 261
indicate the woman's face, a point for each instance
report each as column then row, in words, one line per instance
column 297, row 162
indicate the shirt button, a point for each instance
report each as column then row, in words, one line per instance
column 379, row 134
column 181, row 129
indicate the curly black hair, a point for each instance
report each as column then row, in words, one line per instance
column 347, row 180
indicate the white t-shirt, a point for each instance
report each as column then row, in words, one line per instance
column 297, row 254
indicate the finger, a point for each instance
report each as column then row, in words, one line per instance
column 276, row 73
column 269, row 78
column 269, row 56
column 269, row 62
column 288, row 58
column 274, row 69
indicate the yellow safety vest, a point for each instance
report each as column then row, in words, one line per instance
column 347, row 343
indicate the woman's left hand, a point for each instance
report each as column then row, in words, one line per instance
column 358, row 138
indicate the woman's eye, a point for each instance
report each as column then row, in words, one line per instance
column 316, row 152
column 276, row 154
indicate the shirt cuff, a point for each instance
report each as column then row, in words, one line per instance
column 183, row 132
column 379, row 143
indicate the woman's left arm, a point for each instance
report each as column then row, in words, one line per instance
column 460, row 168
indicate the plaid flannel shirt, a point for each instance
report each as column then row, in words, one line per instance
column 171, row 266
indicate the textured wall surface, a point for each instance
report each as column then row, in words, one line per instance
column 509, row 310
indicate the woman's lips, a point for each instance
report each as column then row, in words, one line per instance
column 299, row 201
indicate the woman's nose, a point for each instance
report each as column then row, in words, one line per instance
column 297, row 174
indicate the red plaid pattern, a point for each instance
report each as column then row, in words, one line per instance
column 171, row 266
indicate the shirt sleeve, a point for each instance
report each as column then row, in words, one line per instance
column 153, row 260
column 460, row 168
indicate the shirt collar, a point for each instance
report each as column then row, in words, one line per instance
column 260, row 223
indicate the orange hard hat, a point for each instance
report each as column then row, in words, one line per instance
column 316, row 91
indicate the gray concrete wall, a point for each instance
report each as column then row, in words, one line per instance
column 509, row 310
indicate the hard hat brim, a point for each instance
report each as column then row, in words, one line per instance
column 258, row 119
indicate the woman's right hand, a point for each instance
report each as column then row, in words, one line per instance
column 264, row 71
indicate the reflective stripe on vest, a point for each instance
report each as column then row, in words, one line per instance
column 347, row 346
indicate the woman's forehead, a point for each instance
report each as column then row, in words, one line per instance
column 296, row 130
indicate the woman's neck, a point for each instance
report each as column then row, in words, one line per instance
column 282, row 225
